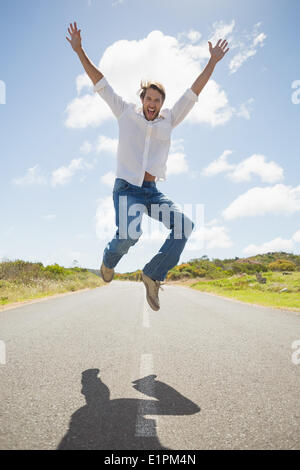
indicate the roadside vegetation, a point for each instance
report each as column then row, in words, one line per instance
column 279, row 290
column 22, row 280
column 271, row 279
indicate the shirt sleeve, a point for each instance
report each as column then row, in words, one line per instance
column 183, row 106
column 114, row 101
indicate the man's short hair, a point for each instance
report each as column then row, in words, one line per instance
column 145, row 85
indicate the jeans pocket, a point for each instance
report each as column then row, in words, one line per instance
column 120, row 185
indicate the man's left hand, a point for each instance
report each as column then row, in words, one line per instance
column 217, row 53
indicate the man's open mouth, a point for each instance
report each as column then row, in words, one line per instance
column 151, row 112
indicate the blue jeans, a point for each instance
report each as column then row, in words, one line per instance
column 155, row 204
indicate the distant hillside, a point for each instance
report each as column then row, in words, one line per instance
column 219, row 268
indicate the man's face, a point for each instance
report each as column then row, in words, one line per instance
column 152, row 103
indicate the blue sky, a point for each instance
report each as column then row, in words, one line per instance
column 237, row 153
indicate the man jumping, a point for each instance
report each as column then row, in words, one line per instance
column 144, row 142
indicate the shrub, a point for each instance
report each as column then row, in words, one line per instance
column 55, row 269
column 173, row 276
column 217, row 262
column 20, row 271
column 282, row 265
column 200, row 272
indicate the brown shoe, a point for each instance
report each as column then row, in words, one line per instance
column 107, row 274
column 152, row 288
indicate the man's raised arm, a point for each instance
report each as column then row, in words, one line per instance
column 75, row 41
column 216, row 53
column 101, row 86
column 184, row 105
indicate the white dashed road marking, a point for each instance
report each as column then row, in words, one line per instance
column 147, row 425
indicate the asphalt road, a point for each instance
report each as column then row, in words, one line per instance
column 99, row 369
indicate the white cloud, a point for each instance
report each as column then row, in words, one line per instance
column 219, row 165
column 177, row 145
column 212, row 222
column 102, row 144
column 63, row 175
column 106, row 144
column 108, row 179
column 210, row 235
column 132, row 59
column 105, row 218
column 213, row 107
column 296, row 237
column 192, row 35
column 222, row 30
column 245, row 109
column 248, row 48
column 81, row 83
column 269, row 172
column 86, row 147
column 177, row 163
column 278, row 244
column 217, row 237
column 33, row 176
column 86, row 111
column 257, row 201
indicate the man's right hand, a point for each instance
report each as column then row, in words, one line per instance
column 75, row 40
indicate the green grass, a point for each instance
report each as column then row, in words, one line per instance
column 247, row 289
column 21, row 281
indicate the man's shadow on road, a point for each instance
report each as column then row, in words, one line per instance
column 121, row 423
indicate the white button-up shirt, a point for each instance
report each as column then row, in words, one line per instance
column 143, row 145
